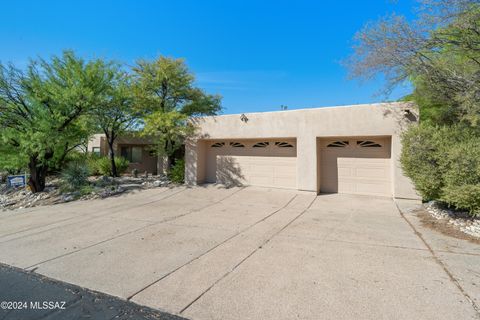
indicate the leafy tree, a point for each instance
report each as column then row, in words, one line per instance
column 42, row 110
column 165, row 92
column 169, row 129
column 115, row 114
column 439, row 53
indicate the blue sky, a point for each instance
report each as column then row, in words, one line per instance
column 257, row 54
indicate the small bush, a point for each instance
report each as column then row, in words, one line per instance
column 75, row 175
column 177, row 172
column 103, row 166
column 86, row 190
column 92, row 164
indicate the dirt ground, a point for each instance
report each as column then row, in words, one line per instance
column 442, row 226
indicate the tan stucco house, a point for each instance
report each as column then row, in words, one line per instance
column 136, row 150
column 347, row 149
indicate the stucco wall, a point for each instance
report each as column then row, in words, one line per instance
column 95, row 142
column 306, row 126
column 151, row 164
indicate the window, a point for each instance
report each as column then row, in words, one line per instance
column 237, row 145
column 283, row 145
column 131, row 153
column 368, row 144
column 338, row 144
column 261, row 145
column 96, row 150
column 218, row 144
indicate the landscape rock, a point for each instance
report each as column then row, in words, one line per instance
column 457, row 219
column 103, row 187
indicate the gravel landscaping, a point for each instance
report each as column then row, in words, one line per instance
column 461, row 221
column 99, row 187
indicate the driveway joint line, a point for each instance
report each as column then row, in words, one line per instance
column 440, row 262
column 182, row 225
column 87, row 216
column 248, row 256
column 460, row 253
column 351, row 242
column 129, row 232
column 211, row 249
column 33, row 228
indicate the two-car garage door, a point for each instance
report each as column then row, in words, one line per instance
column 355, row 165
column 269, row 163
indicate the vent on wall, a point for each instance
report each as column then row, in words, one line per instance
column 237, row 145
column 283, row 145
column 338, row 144
column 218, row 145
column 368, row 144
column 261, row 144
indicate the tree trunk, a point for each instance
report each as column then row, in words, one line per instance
column 38, row 174
column 112, row 159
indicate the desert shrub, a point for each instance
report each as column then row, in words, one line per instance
column 420, row 160
column 75, row 175
column 444, row 164
column 465, row 196
column 177, row 172
column 103, row 166
column 87, row 189
column 92, row 164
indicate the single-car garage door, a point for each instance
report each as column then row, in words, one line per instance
column 355, row 165
column 268, row 163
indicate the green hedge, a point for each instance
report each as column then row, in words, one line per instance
column 444, row 164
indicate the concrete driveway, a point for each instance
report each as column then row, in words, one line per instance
column 244, row 253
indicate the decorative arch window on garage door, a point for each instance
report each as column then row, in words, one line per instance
column 218, row 145
column 338, row 144
column 262, row 144
column 368, row 144
column 237, row 145
column 282, row 144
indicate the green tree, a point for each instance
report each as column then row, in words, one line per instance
column 42, row 110
column 439, row 53
column 115, row 114
column 165, row 92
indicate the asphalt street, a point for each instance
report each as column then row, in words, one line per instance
column 27, row 296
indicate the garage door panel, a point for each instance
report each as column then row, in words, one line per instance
column 271, row 166
column 260, row 171
column 375, row 188
column 356, row 169
column 379, row 173
column 285, row 182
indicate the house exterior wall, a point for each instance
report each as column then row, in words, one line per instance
column 150, row 164
column 306, row 126
column 95, row 142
